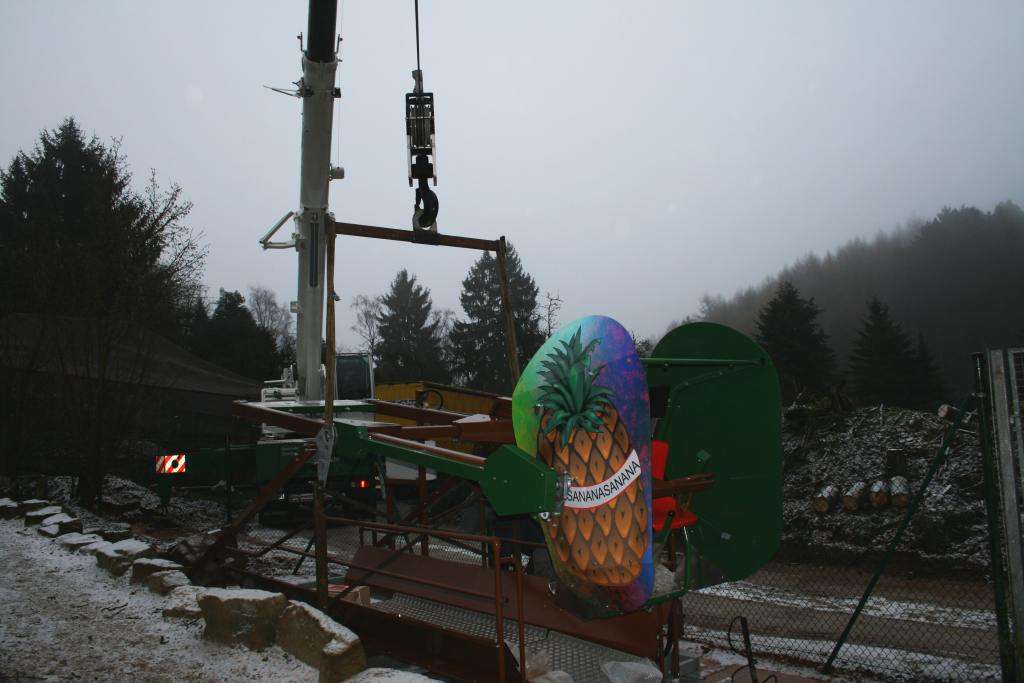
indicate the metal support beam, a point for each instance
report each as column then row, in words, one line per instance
column 396, row 235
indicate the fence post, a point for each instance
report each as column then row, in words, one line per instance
column 994, row 371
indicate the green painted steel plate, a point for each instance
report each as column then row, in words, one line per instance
column 732, row 413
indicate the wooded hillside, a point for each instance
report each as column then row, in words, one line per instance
column 958, row 279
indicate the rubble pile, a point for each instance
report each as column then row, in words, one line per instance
column 875, row 444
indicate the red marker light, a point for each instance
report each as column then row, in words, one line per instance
column 363, row 484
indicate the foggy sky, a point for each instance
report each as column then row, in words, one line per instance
column 637, row 154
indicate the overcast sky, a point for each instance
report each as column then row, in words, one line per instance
column 637, row 154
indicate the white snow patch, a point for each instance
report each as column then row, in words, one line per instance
column 877, row 606
column 859, row 657
column 64, row 618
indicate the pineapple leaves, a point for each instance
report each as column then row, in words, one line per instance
column 569, row 391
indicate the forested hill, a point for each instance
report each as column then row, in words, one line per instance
column 958, row 279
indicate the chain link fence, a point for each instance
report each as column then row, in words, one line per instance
column 931, row 615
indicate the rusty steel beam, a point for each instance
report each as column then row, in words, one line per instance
column 495, row 431
column 446, row 453
column 397, row 235
column 415, row 413
column 306, row 426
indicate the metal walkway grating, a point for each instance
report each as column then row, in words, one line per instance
column 579, row 658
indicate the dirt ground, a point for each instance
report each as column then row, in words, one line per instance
column 65, row 619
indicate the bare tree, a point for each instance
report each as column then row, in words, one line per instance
column 644, row 345
column 270, row 315
column 552, row 304
column 367, row 325
column 105, row 375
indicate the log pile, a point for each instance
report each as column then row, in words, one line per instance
column 853, row 496
column 826, row 499
column 900, row 491
column 879, row 495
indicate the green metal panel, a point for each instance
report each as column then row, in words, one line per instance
column 516, row 483
column 723, row 416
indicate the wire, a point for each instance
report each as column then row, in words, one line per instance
column 417, row 9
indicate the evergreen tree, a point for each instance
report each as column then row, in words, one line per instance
column 882, row 364
column 81, row 249
column 927, row 386
column 76, row 238
column 410, row 347
column 479, row 350
column 789, row 331
column 232, row 339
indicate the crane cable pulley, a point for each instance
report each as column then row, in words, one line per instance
column 419, row 131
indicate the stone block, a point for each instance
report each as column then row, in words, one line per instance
column 143, row 567
column 246, row 616
column 164, row 582
column 118, row 557
column 39, row 514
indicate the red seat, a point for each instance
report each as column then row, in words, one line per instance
column 663, row 506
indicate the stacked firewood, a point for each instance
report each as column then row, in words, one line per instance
column 876, row 494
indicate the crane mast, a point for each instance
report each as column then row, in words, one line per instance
column 317, row 91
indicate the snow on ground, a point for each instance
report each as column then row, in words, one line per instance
column 65, row 619
column 912, row 665
column 877, row 606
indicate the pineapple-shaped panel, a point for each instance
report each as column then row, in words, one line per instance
column 581, row 406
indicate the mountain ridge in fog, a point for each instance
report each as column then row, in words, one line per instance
column 958, row 279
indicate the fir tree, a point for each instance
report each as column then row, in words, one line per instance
column 789, row 331
column 478, row 343
column 927, row 386
column 232, row 339
column 410, row 347
column 882, row 364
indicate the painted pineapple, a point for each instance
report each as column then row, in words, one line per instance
column 582, row 433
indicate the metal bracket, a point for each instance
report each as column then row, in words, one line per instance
column 265, row 240
column 324, row 451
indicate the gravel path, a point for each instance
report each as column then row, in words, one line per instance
column 63, row 618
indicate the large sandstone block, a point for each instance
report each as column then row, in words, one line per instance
column 188, row 550
column 8, row 508
column 25, row 506
column 65, row 522
column 164, row 582
column 143, row 567
column 39, row 514
column 341, row 660
column 118, row 532
column 51, row 531
column 117, row 557
column 75, row 540
column 183, row 603
column 93, row 548
column 316, row 639
column 246, row 616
